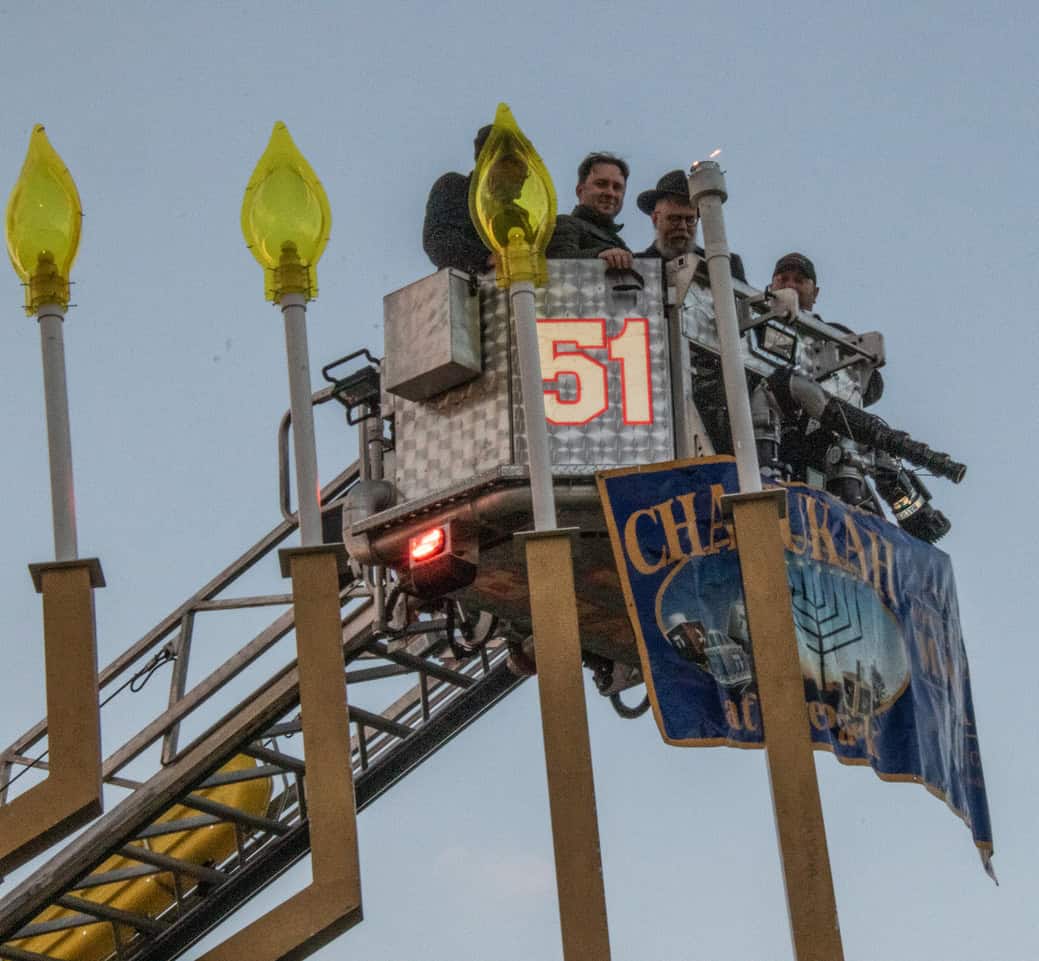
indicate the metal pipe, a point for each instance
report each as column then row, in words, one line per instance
column 294, row 311
column 284, row 494
column 707, row 193
column 521, row 298
column 363, row 435
column 372, row 459
column 355, row 623
column 171, row 622
column 373, row 447
column 59, row 437
column 681, row 382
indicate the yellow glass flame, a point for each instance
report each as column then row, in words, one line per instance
column 42, row 226
column 286, row 219
column 512, row 202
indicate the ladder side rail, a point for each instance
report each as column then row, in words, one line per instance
column 137, row 812
column 463, row 705
column 357, row 627
column 198, row 695
column 281, row 853
column 134, row 815
column 169, row 625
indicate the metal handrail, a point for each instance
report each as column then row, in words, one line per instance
column 173, row 621
column 284, row 474
column 402, row 725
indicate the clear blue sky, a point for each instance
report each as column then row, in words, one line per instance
column 896, row 144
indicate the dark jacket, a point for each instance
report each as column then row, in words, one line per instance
column 584, row 233
column 735, row 260
column 448, row 235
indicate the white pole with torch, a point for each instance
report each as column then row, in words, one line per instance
column 42, row 230
column 59, row 436
column 811, row 905
column 294, row 312
column 521, row 296
column 513, row 206
column 707, row 191
column 286, row 222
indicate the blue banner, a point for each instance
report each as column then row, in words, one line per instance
column 878, row 629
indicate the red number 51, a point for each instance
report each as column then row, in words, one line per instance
column 630, row 349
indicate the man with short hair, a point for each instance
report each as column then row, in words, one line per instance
column 674, row 221
column 590, row 229
column 448, row 235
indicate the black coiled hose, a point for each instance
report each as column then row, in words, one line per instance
column 629, row 712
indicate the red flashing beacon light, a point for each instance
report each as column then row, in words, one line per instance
column 441, row 560
column 427, row 545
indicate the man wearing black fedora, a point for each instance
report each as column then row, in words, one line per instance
column 674, row 221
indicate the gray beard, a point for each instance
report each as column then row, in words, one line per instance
column 669, row 252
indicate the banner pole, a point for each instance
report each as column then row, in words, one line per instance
column 801, row 832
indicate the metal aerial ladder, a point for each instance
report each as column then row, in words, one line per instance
column 438, row 689
column 421, row 661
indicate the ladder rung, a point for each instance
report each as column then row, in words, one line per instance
column 422, row 665
column 113, row 877
column 10, row 953
column 233, row 603
column 378, row 722
column 164, row 861
column 376, row 673
column 107, row 913
column 280, row 730
column 285, row 761
column 54, row 925
column 227, row 813
column 160, row 828
column 236, row 777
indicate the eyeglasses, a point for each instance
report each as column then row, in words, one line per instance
column 676, row 220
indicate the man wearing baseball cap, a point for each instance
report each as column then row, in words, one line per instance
column 796, row 272
column 674, row 221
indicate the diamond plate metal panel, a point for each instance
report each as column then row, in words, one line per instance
column 478, row 427
column 581, row 289
column 432, row 332
column 464, row 431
